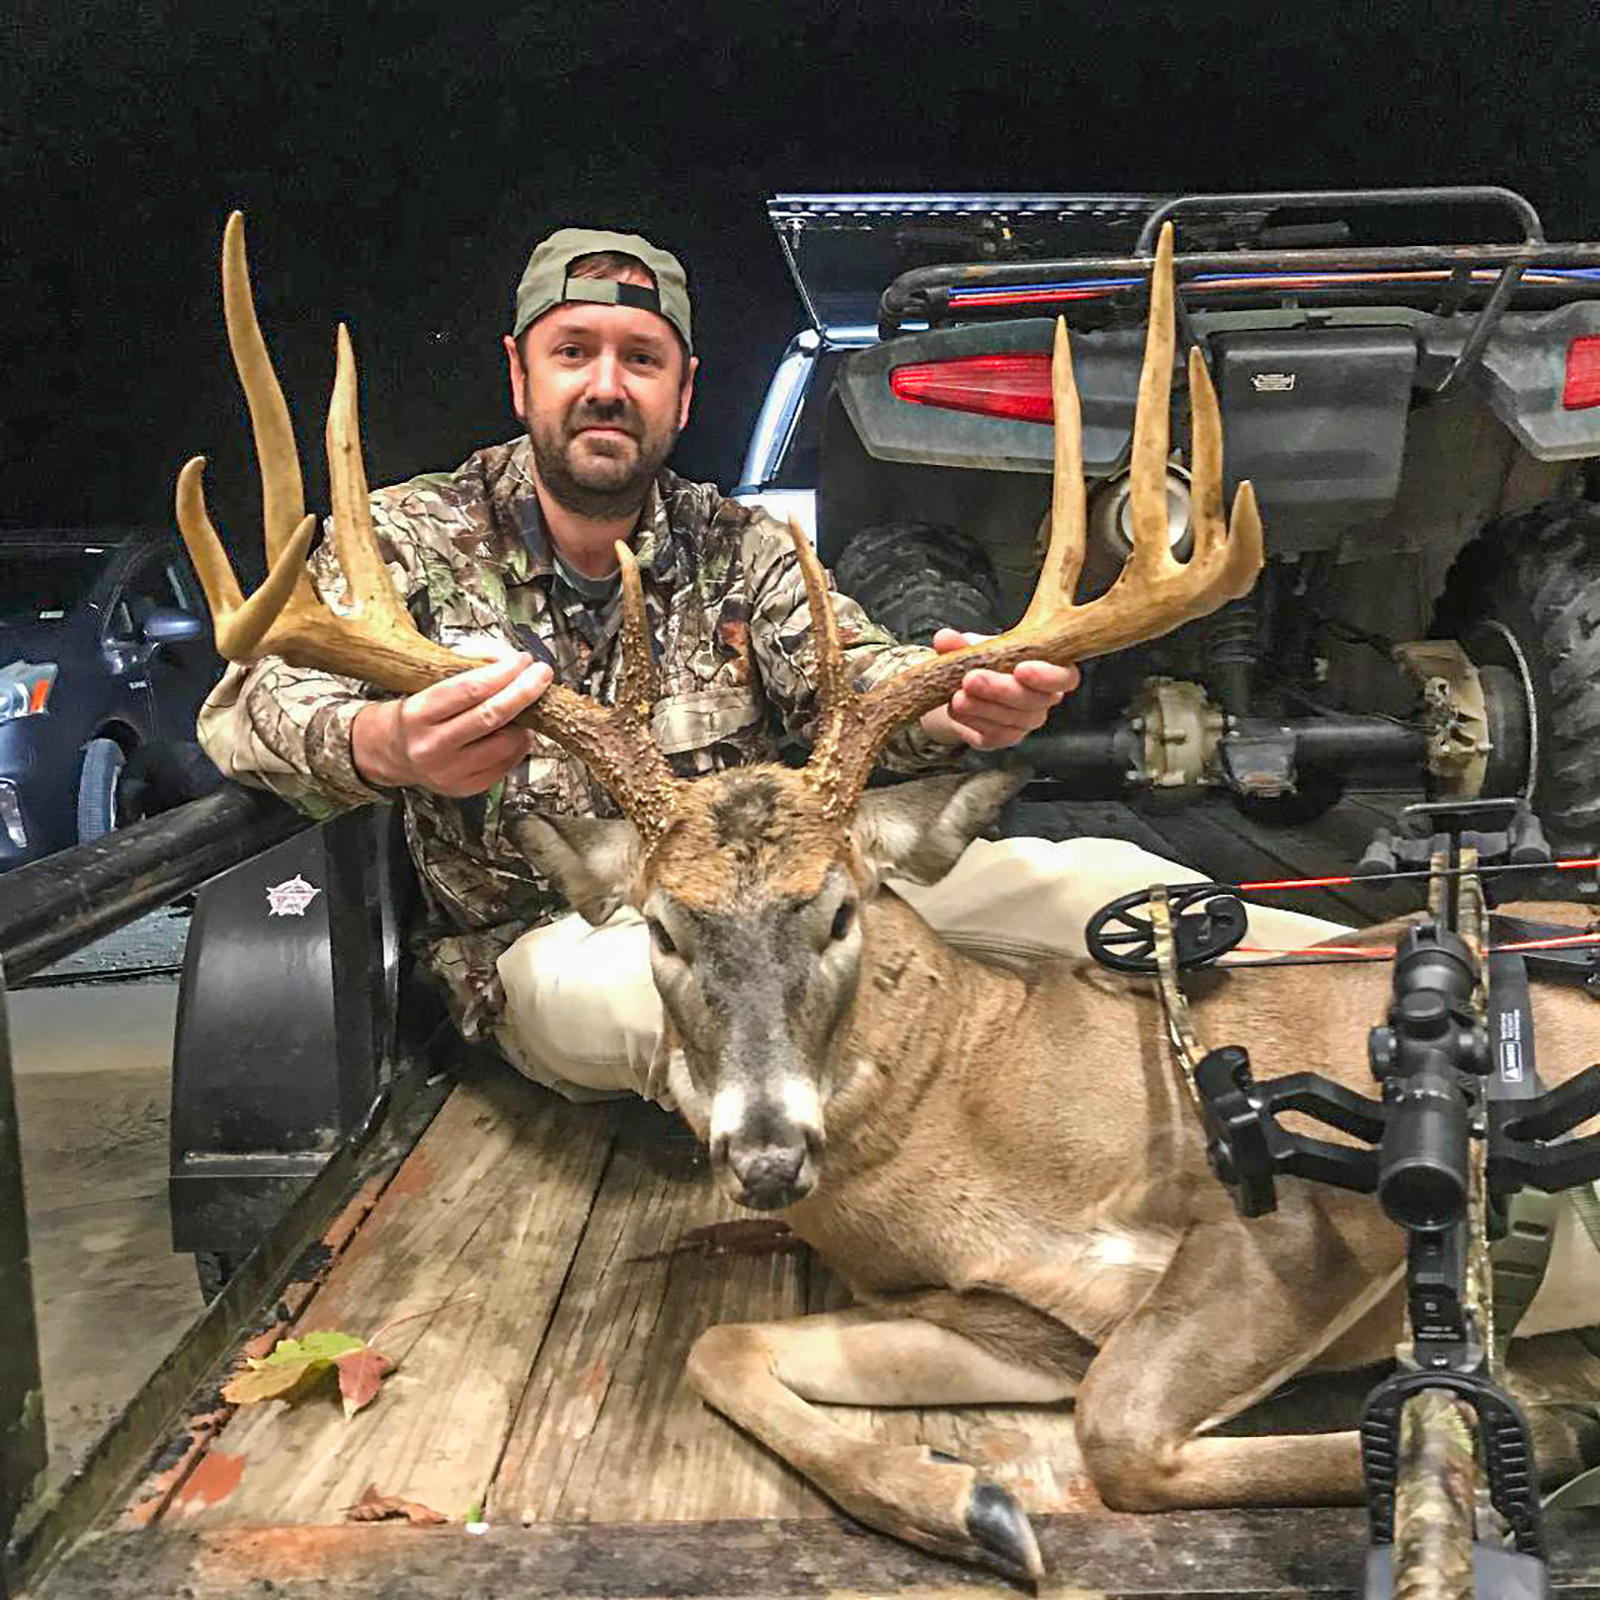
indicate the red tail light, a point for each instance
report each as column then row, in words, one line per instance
column 1014, row 386
column 1583, row 373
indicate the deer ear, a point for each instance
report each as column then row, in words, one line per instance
column 591, row 860
column 918, row 830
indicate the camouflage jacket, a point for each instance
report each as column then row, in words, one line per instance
column 468, row 551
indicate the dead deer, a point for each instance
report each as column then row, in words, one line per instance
column 1004, row 1168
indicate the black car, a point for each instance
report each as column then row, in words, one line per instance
column 105, row 657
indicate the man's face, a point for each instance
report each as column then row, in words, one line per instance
column 604, row 391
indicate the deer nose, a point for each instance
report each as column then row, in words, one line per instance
column 768, row 1174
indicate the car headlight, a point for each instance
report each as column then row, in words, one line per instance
column 25, row 689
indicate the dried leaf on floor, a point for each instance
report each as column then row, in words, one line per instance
column 360, row 1373
column 295, row 1365
column 375, row 1507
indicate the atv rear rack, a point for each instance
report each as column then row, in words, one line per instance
column 940, row 294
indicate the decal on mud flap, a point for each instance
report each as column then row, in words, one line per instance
column 1273, row 382
column 291, row 898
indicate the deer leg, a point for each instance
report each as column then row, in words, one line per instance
column 1234, row 1316
column 763, row 1376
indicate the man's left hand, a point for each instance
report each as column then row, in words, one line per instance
column 992, row 710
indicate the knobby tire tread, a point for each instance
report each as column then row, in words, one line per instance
column 1541, row 568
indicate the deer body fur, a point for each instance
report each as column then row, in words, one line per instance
column 1005, row 1168
column 1015, row 1189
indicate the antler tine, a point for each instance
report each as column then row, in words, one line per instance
column 1235, row 541
column 211, row 561
column 1207, row 521
column 283, row 498
column 637, row 685
column 240, row 626
column 371, row 590
column 838, row 709
column 394, row 653
column 1069, row 514
column 617, row 744
column 1152, row 594
column 1147, row 478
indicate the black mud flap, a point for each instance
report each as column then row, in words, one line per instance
column 286, row 1024
column 1316, row 419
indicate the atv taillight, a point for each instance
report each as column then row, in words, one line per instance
column 1583, row 373
column 1014, row 386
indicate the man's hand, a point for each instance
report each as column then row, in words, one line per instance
column 994, row 709
column 455, row 738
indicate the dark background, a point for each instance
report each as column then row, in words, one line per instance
column 396, row 162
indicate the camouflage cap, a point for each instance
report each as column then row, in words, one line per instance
column 545, row 283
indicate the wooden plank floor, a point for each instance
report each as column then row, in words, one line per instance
column 608, row 1431
column 485, row 1213
column 581, row 1250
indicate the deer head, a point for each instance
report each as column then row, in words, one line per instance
column 755, row 883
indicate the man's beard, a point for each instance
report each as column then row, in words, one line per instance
column 592, row 483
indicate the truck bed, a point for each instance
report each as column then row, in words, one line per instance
column 594, row 1249
column 554, row 1263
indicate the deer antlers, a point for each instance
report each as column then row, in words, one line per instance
column 1153, row 593
column 377, row 642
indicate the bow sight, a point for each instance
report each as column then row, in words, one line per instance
column 1459, row 1126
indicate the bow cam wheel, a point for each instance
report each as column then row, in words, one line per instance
column 1208, row 920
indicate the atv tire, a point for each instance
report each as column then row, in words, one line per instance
column 1524, row 597
column 914, row 578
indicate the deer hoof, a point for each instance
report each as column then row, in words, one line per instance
column 997, row 1524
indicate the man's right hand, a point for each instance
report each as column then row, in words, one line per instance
column 455, row 737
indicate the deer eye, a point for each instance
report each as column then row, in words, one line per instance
column 842, row 919
column 662, row 938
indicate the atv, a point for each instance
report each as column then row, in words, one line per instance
column 1421, row 422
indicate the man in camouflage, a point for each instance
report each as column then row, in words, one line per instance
column 512, row 555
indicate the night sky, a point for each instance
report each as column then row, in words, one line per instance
column 396, row 162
